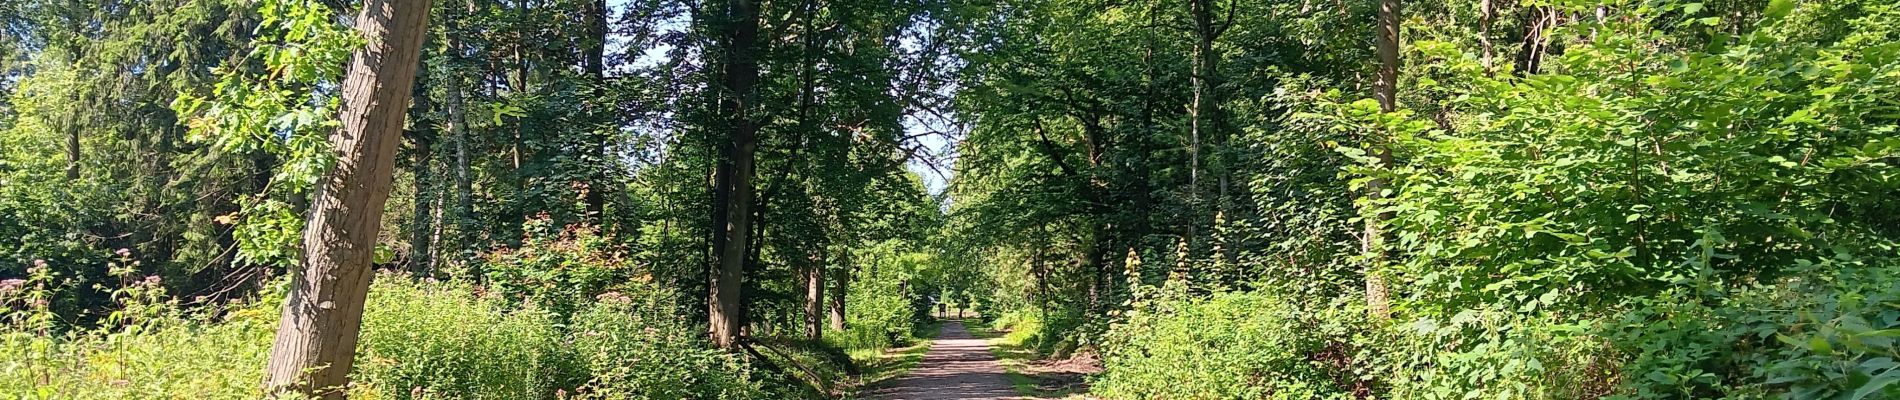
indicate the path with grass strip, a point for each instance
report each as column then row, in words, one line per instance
column 958, row 366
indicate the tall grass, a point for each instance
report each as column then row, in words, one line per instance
column 421, row 340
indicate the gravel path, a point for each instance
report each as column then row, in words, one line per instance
column 957, row 367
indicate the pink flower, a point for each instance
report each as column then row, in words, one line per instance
column 124, row 252
column 7, row 287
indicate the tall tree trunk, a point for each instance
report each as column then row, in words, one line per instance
column 815, row 299
column 740, row 73
column 1486, row 14
column 72, row 153
column 1204, row 113
column 316, row 339
column 457, row 125
column 1530, row 57
column 596, row 65
column 840, row 281
column 423, row 137
column 422, row 226
column 1385, row 89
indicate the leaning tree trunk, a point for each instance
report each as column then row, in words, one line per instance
column 725, row 307
column 1385, row 90
column 316, row 340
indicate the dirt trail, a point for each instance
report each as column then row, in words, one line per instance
column 957, row 367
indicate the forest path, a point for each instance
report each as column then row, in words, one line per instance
column 958, row 366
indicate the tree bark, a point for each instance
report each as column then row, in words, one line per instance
column 1385, row 89
column 841, row 281
column 423, row 137
column 422, row 227
column 741, row 71
column 72, row 152
column 316, row 340
column 1204, row 113
column 1486, row 14
column 1530, row 57
column 596, row 65
column 457, row 126
column 815, row 300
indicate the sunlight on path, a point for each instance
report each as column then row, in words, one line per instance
column 957, row 367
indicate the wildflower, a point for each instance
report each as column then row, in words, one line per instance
column 7, row 287
column 613, row 297
column 153, row 280
column 123, row 252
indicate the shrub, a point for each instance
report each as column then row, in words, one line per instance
column 557, row 270
column 433, row 340
column 1490, row 354
column 880, row 317
column 1227, row 346
column 631, row 346
column 147, row 350
column 1828, row 334
column 439, row 340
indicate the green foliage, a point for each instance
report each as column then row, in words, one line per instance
column 150, row 351
column 557, row 270
column 1827, row 334
column 631, row 344
column 432, row 340
column 278, row 99
column 1669, row 200
column 439, row 340
column 1226, row 346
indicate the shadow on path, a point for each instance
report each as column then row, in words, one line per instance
column 957, row 367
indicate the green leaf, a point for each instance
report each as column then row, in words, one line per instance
column 1777, row 9
column 1877, row 384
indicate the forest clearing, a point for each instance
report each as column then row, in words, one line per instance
column 950, row 199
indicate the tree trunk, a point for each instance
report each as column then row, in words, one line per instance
column 1486, row 14
column 423, row 137
column 596, row 61
column 1204, row 113
column 422, row 226
column 316, row 340
column 1385, row 89
column 815, row 301
column 1530, row 57
column 841, row 281
column 741, row 72
column 457, row 126
column 72, row 153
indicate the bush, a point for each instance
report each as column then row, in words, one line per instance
column 1227, row 346
column 557, row 270
column 147, row 350
column 433, row 340
column 631, row 345
column 1828, row 334
column 880, row 317
column 1490, row 354
column 439, row 340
